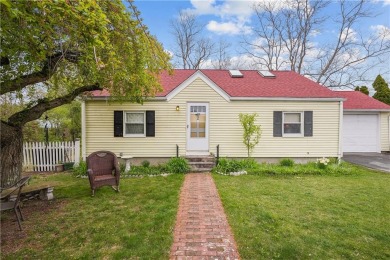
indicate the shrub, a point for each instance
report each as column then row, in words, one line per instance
column 177, row 165
column 145, row 163
column 249, row 164
column 122, row 168
column 287, row 162
column 81, row 169
column 229, row 165
column 323, row 162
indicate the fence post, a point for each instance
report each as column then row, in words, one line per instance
column 77, row 152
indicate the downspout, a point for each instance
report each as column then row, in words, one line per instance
column 388, row 131
column 340, row 152
column 83, row 131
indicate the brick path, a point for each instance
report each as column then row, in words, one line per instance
column 202, row 230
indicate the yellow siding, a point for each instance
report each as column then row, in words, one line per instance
column 385, row 135
column 225, row 128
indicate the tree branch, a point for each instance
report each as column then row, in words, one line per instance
column 48, row 68
column 35, row 112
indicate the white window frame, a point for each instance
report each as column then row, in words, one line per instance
column 124, row 124
column 301, row 134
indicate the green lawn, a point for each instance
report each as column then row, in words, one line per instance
column 309, row 217
column 136, row 223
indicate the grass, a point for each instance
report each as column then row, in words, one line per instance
column 136, row 223
column 309, row 216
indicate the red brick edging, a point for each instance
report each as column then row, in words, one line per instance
column 202, row 230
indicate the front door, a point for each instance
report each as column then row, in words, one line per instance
column 197, row 128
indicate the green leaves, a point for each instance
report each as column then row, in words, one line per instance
column 382, row 90
column 113, row 48
column 252, row 132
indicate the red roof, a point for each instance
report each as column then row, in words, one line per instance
column 360, row 101
column 285, row 84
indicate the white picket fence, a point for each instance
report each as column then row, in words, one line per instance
column 42, row 157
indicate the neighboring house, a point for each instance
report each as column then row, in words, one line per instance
column 198, row 110
column 366, row 123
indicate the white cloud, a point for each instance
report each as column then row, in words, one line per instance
column 385, row 2
column 231, row 28
column 381, row 31
column 349, row 35
column 227, row 8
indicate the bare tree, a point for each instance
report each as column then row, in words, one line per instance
column 342, row 62
column 222, row 58
column 191, row 48
column 282, row 32
column 283, row 40
column 266, row 47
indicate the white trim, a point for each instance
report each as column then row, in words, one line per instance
column 124, row 123
column 285, row 99
column 341, row 118
column 150, row 99
column 200, row 146
column 83, row 132
column 367, row 110
column 193, row 77
column 388, row 131
column 301, row 134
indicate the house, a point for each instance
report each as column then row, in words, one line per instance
column 198, row 110
column 366, row 123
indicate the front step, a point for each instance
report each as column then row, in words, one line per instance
column 201, row 163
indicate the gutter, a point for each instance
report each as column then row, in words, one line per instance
column 106, row 98
column 284, row 99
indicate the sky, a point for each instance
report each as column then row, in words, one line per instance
column 232, row 20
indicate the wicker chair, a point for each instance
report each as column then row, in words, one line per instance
column 103, row 170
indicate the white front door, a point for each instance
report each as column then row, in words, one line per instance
column 197, row 129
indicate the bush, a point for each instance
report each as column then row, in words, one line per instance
column 122, row 168
column 81, row 169
column 230, row 165
column 287, row 162
column 323, row 162
column 177, row 165
column 145, row 163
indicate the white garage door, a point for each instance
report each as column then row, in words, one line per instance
column 361, row 133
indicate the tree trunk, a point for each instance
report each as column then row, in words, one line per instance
column 11, row 154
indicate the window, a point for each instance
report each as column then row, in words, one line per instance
column 292, row 124
column 134, row 124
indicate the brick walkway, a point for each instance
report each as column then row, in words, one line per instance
column 202, row 230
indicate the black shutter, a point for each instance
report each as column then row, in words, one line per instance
column 118, row 123
column 308, row 123
column 150, row 123
column 278, row 123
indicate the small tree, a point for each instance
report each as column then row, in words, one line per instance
column 363, row 89
column 252, row 132
column 382, row 90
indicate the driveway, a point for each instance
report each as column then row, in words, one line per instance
column 378, row 161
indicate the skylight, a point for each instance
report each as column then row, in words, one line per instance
column 266, row 74
column 236, row 74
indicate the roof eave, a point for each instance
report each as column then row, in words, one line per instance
column 366, row 110
column 106, row 98
column 321, row 99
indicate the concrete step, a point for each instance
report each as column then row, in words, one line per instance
column 201, row 163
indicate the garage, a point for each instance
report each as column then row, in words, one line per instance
column 361, row 133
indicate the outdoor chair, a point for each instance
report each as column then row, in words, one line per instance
column 14, row 204
column 103, row 170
